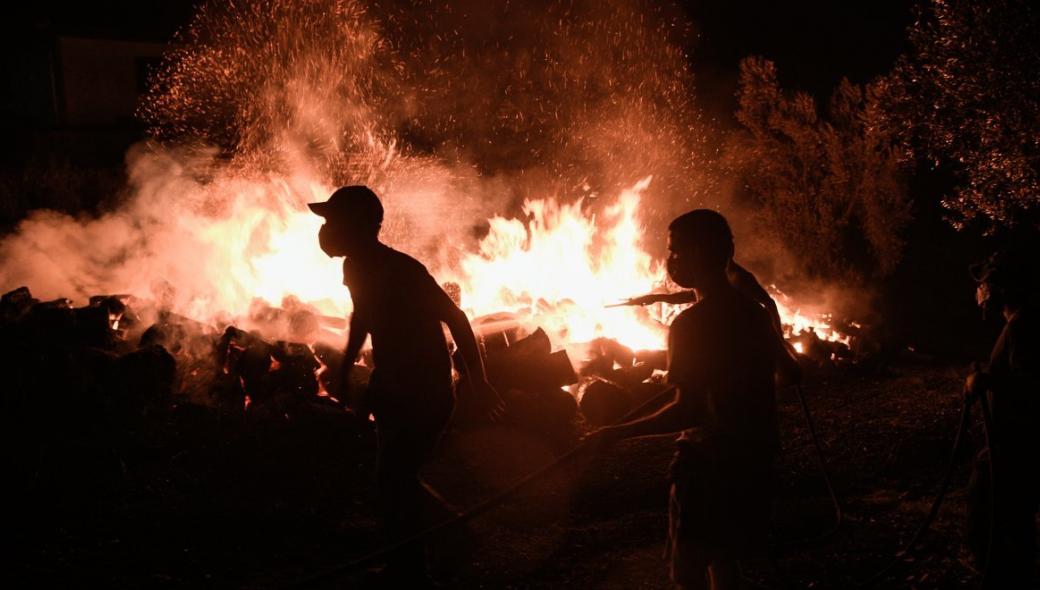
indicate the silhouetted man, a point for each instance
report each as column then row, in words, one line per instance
column 1012, row 381
column 410, row 392
column 722, row 355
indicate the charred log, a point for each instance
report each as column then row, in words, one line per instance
column 603, row 402
column 530, row 365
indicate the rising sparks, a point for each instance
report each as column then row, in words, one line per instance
column 454, row 116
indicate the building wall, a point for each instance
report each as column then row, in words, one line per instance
column 101, row 80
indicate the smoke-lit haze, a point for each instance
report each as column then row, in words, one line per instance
column 452, row 111
column 577, row 118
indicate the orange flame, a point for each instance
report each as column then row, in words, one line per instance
column 796, row 321
column 560, row 270
column 557, row 270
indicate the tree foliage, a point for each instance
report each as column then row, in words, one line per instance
column 829, row 188
column 968, row 96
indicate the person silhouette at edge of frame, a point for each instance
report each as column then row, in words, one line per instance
column 1010, row 385
column 400, row 305
column 722, row 355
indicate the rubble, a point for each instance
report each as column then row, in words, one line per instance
column 103, row 362
column 820, row 352
column 603, row 402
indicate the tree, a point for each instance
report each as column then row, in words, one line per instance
column 831, row 190
column 967, row 96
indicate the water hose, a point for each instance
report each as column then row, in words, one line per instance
column 480, row 508
column 507, row 493
column 835, row 503
column 951, row 463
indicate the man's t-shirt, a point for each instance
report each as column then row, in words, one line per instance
column 722, row 354
column 402, row 307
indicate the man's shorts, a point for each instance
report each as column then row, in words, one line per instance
column 719, row 505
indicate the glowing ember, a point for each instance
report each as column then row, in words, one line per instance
column 318, row 373
column 796, row 321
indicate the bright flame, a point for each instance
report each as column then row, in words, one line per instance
column 267, row 246
column 562, row 268
column 558, row 270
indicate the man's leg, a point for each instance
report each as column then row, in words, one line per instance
column 689, row 562
column 400, row 499
column 410, row 504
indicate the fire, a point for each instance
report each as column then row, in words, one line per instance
column 304, row 96
column 267, row 246
column 557, row 269
column 796, row 321
column 293, row 265
column 560, row 270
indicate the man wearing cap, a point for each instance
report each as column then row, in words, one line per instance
column 722, row 354
column 400, row 305
column 1010, row 384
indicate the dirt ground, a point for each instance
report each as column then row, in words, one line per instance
column 204, row 503
column 886, row 433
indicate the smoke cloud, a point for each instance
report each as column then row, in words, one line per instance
column 452, row 111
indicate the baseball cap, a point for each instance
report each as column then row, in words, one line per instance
column 354, row 203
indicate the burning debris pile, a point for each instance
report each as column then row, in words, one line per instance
column 106, row 357
column 540, row 288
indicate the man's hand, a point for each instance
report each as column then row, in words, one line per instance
column 487, row 400
column 354, row 396
column 788, row 370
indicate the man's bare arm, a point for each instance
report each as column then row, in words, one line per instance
column 466, row 341
column 462, row 334
column 355, row 340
